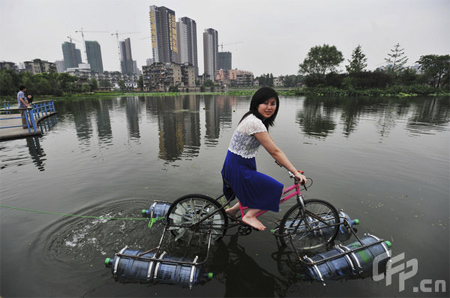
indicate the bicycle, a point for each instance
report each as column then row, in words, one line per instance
column 308, row 225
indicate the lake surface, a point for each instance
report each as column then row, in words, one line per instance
column 384, row 161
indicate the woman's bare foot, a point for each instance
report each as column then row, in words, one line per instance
column 232, row 212
column 253, row 222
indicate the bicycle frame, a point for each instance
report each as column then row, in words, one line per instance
column 288, row 193
column 291, row 191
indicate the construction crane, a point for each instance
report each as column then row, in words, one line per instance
column 118, row 43
column 222, row 44
column 84, row 43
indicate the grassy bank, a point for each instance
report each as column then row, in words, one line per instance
column 395, row 91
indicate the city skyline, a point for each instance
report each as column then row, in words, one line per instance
column 263, row 36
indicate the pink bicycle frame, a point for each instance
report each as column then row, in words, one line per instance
column 288, row 193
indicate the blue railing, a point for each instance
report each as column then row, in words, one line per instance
column 43, row 109
column 32, row 115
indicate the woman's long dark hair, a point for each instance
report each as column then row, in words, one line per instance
column 260, row 96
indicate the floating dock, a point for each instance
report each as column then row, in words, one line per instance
column 11, row 120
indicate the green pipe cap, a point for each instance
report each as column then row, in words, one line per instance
column 356, row 221
column 108, row 261
column 210, row 275
column 388, row 243
column 144, row 211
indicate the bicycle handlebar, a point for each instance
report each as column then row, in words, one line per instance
column 292, row 174
column 296, row 180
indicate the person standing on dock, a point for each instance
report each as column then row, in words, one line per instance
column 23, row 104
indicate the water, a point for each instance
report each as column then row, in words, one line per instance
column 384, row 161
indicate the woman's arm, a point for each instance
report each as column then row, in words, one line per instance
column 267, row 142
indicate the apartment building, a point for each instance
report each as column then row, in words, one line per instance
column 162, row 76
column 235, row 77
column 39, row 66
column 163, row 29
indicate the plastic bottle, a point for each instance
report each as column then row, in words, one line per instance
column 343, row 216
column 127, row 267
column 347, row 262
column 157, row 210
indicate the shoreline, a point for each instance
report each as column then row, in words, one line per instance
column 284, row 91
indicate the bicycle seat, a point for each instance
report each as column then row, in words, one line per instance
column 227, row 190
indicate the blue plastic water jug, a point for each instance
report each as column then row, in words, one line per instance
column 157, row 210
column 148, row 267
column 126, row 268
column 348, row 261
column 363, row 258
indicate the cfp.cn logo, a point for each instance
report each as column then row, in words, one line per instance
column 405, row 271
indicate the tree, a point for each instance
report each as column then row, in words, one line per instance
column 320, row 61
column 121, row 84
column 358, row 62
column 140, row 83
column 66, row 81
column 94, row 84
column 208, row 83
column 408, row 77
column 85, row 87
column 265, row 80
column 396, row 59
column 9, row 82
column 436, row 69
column 105, row 84
column 291, row 80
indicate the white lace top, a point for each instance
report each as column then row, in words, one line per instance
column 243, row 142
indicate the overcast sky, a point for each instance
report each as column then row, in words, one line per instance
column 264, row 36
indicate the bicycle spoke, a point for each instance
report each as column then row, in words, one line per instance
column 198, row 215
column 316, row 229
column 176, row 218
column 180, row 233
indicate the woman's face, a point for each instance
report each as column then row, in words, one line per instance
column 267, row 108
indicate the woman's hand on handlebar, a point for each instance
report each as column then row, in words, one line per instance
column 300, row 178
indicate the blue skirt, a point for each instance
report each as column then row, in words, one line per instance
column 253, row 189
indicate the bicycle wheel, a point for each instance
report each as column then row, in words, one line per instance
column 317, row 228
column 192, row 217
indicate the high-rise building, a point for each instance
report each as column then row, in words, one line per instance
column 210, row 52
column 225, row 60
column 164, row 34
column 187, row 42
column 94, row 56
column 127, row 64
column 72, row 55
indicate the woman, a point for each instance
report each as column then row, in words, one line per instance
column 255, row 190
column 30, row 98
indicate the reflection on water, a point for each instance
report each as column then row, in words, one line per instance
column 179, row 119
column 183, row 123
column 237, row 270
column 36, row 152
column 319, row 117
